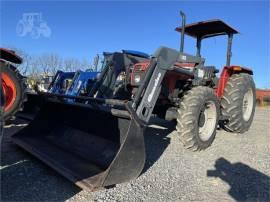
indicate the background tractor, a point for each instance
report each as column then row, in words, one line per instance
column 99, row 141
column 83, row 83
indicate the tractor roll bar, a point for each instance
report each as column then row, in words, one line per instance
column 229, row 50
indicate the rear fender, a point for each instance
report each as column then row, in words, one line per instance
column 10, row 56
column 226, row 73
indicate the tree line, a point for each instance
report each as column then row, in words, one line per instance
column 50, row 63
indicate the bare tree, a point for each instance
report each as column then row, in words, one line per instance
column 96, row 62
column 71, row 64
column 34, row 68
column 49, row 63
column 55, row 63
column 86, row 65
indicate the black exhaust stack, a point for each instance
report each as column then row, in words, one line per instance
column 182, row 31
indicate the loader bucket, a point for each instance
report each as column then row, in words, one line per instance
column 93, row 148
column 31, row 106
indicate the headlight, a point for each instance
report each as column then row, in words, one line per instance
column 137, row 78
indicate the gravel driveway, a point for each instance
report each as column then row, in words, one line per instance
column 235, row 167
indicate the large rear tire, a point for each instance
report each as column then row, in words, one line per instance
column 13, row 88
column 198, row 116
column 238, row 103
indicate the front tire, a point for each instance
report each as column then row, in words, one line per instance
column 238, row 103
column 198, row 116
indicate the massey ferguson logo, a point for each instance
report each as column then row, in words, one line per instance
column 150, row 97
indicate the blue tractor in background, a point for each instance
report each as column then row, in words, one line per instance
column 80, row 83
column 106, row 83
column 72, row 83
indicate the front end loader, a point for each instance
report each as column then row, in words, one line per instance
column 99, row 141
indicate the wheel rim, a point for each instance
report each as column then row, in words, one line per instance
column 207, row 120
column 247, row 106
column 9, row 91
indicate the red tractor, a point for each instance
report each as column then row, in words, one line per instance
column 12, row 88
column 194, row 96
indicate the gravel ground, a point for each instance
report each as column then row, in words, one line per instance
column 235, row 167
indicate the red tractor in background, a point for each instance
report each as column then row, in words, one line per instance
column 12, row 88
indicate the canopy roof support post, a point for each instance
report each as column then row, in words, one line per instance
column 229, row 49
column 198, row 46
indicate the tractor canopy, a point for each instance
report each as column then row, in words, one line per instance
column 207, row 29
